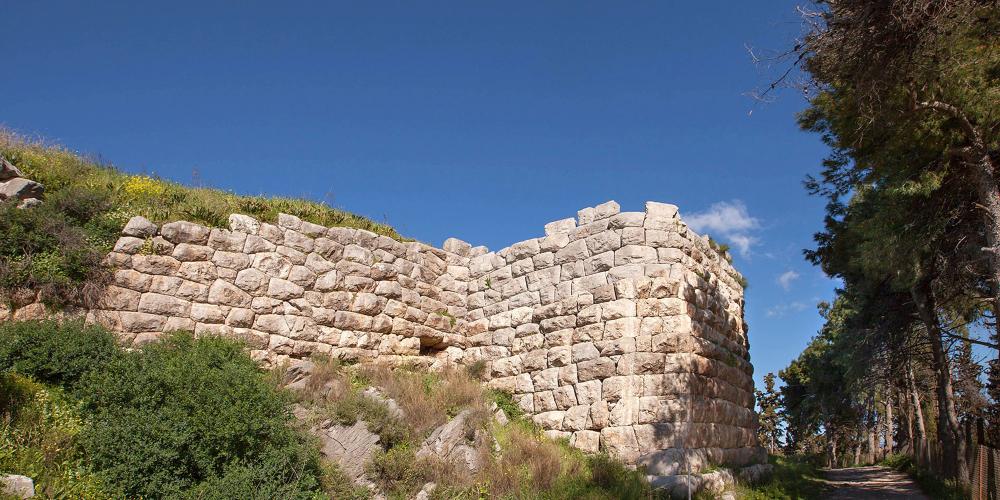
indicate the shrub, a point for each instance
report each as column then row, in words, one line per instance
column 183, row 411
column 38, row 438
column 54, row 352
column 43, row 249
column 397, row 471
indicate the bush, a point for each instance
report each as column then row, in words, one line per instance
column 38, row 438
column 53, row 352
column 183, row 411
column 397, row 471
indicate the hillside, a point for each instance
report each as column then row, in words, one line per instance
column 54, row 250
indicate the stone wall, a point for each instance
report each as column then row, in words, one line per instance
column 618, row 331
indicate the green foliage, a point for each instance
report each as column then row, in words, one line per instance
column 183, row 411
column 398, row 471
column 353, row 406
column 506, row 402
column 39, row 430
column 55, row 352
column 792, row 479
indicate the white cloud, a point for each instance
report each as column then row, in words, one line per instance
column 781, row 310
column 786, row 278
column 728, row 220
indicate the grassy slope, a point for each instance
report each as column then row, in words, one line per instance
column 161, row 201
column 55, row 250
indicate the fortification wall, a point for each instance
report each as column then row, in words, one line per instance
column 618, row 331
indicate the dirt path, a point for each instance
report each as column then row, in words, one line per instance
column 870, row 483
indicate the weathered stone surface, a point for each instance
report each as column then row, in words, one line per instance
column 8, row 170
column 17, row 486
column 243, row 224
column 185, row 232
column 139, row 227
column 20, row 188
column 225, row 293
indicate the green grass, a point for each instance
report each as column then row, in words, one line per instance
column 56, row 248
column 932, row 485
column 792, row 480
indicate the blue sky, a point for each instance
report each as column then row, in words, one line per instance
column 480, row 121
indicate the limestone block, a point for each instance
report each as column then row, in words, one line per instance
column 586, row 440
column 565, row 397
column 589, row 392
column 293, row 255
column 626, row 219
column 633, row 236
column 584, row 351
column 229, row 241
column 664, row 210
column 222, row 292
column 298, row 241
column 185, row 232
column 119, row 299
column 155, row 264
column 240, row 317
column 186, row 252
column 200, row 272
column 616, row 309
column 252, row 281
column 661, row 307
column 524, row 249
column 283, row 289
column 129, row 245
column 20, row 188
column 302, row 276
column 600, row 413
column 544, row 401
column 572, row 252
column 165, row 305
column 635, row 254
column 624, row 327
column 136, row 322
column 606, row 210
column 599, row 368
column 561, row 226
column 550, row 419
column 620, row 442
column 457, row 246
column 272, row 264
column 133, row 280
column 207, row 313
column 243, row 224
column 560, row 356
column 567, row 375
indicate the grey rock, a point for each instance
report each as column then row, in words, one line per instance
column 139, row 227
column 29, row 203
column 18, row 486
column 8, row 170
column 21, row 189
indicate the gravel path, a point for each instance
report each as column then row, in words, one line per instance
column 870, row 483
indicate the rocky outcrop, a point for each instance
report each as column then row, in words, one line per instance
column 620, row 331
column 13, row 185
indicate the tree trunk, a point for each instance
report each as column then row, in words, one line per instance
column 984, row 173
column 889, row 431
column 918, row 414
column 949, row 430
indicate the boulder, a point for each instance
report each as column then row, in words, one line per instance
column 8, row 171
column 21, row 189
column 17, row 486
column 139, row 227
column 450, row 442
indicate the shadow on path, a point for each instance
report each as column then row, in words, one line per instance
column 870, row 483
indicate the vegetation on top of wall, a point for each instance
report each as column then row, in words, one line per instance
column 55, row 248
